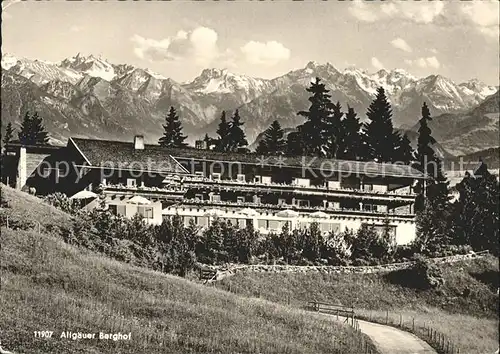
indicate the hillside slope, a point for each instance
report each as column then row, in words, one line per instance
column 48, row 285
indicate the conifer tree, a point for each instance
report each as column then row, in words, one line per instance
column 433, row 202
column 32, row 130
column 335, row 132
column 9, row 133
column 273, row 141
column 294, row 144
column 172, row 135
column 403, row 151
column 476, row 213
column 379, row 139
column 352, row 147
column 313, row 131
column 223, row 132
column 237, row 138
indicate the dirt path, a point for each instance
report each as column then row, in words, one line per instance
column 390, row 340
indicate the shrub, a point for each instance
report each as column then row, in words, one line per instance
column 62, row 202
column 427, row 275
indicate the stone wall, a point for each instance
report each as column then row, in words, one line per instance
column 224, row 271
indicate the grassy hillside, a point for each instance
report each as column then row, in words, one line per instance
column 48, row 285
column 470, row 320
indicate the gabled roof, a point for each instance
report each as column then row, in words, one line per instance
column 122, row 155
column 156, row 158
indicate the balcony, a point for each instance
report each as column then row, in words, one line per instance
column 194, row 182
column 173, row 192
column 300, row 209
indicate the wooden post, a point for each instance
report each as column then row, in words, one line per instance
column 400, row 320
column 413, row 324
column 386, row 316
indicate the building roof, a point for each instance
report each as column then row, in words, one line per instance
column 99, row 151
column 122, row 155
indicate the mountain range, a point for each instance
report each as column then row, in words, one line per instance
column 88, row 96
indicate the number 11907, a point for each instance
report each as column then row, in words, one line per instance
column 43, row 334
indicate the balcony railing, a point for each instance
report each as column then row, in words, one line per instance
column 159, row 190
column 194, row 181
column 299, row 209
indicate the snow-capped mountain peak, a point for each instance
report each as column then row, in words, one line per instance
column 8, row 61
column 90, row 65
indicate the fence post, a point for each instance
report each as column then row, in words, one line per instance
column 386, row 316
column 400, row 320
column 413, row 324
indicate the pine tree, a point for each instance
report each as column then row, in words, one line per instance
column 273, row 141
column 9, row 133
column 335, row 132
column 32, row 130
column 352, row 147
column 403, row 151
column 237, row 137
column 379, row 139
column 223, row 132
column 172, row 135
column 313, row 131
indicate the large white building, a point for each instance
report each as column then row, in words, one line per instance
column 200, row 185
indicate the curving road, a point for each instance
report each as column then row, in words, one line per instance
column 390, row 340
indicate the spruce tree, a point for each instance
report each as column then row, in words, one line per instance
column 335, row 132
column 433, row 202
column 32, row 130
column 237, row 137
column 476, row 213
column 378, row 132
column 223, row 132
column 294, row 144
column 172, row 135
column 273, row 141
column 313, row 131
column 9, row 133
column 403, row 151
column 352, row 146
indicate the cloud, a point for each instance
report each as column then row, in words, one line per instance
column 200, row 46
column 484, row 15
column 377, row 64
column 400, row 43
column 268, row 53
column 419, row 12
column 362, row 12
column 425, row 62
column 76, row 28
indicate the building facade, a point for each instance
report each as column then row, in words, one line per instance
column 265, row 191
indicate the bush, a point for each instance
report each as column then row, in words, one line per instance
column 427, row 275
column 62, row 202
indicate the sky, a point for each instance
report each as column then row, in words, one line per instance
column 178, row 39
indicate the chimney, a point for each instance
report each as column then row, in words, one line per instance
column 139, row 142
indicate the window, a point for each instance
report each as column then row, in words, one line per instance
column 240, row 199
column 113, row 209
column 368, row 187
column 281, row 201
column 145, row 212
column 257, row 179
column 303, row 182
column 266, row 179
column 198, row 197
column 120, row 210
column 131, row 182
column 203, row 221
column 274, row 225
column 215, row 197
column 256, row 199
column 262, row 224
column 199, row 174
column 241, row 178
column 216, row 176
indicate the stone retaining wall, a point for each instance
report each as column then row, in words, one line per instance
column 224, row 271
